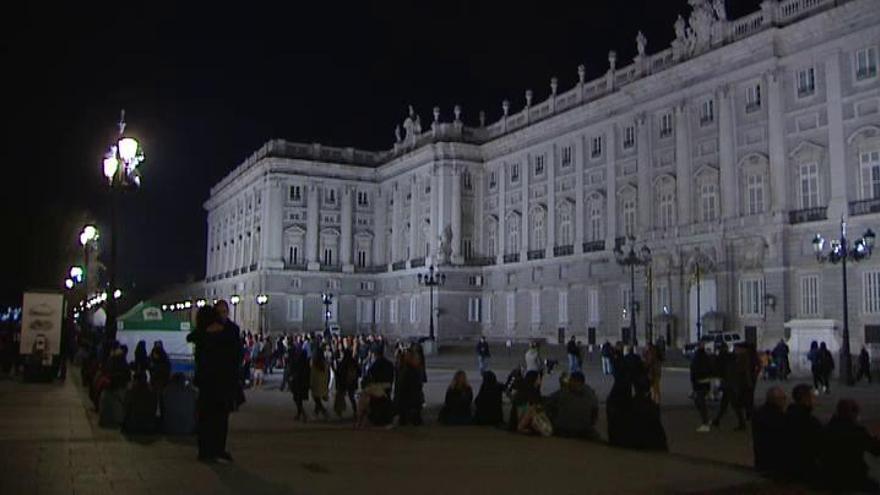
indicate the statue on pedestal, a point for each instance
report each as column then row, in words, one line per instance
column 445, row 252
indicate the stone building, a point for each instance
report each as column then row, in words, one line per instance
column 724, row 153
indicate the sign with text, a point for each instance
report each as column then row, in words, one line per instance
column 41, row 322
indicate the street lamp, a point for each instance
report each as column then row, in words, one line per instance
column 120, row 167
column 68, row 283
column 87, row 238
column 262, row 299
column 326, row 300
column 76, row 274
column 839, row 252
column 631, row 259
column 234, row 300
column 431, row 279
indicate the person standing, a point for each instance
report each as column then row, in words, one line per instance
column 533, row 358
column 319, row 381
column 216, row 376
column 299, row 380
column 573, row 351
column 701, row 378
column 826, row 367
column 606, row 353
column 780, row 358
column 483, row 355
column 864, row 365
column 815, row 366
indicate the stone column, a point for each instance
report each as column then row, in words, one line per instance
column 312, row 226
column 500, row 232
column 437, row 217
column 414, row 226
column 645, row 194
column 551, row 201
column 683, row 163
column 273, row 224
column 579, row 216
column 479, row 220
column 346, row 229
column 611, row 186
column 380, row 228
column 727, row 153
column 837, row 204
column 457, row 257
column 396, row 223
column 525, row 175
column 779, row 167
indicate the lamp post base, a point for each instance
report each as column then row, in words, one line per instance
column 429, row 346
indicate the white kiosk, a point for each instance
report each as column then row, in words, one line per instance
column 805, row 331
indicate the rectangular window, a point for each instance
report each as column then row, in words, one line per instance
column 869, row 163
column 514, row 173
column 806, row 82
column 593, row 304
column 751, row 296
column 871, row 292
column 753, row 97
column 596, row 147
column 596, row 221
column 666, row 125
column 392, row 310
column 368, row 285
column 511, row 309
column 563, row 306
column 539, row 165
column 413, row 309
column 629, row 137
column 661, row 298
column 467, row 246
column 330, row 196
column 707, row 111
column 467, row 181
column 810, row 295
column 566, row 156
column 709, row 202
column 536, row 307
column 363, row 198
column 378, row 313
column 361, row 258
column 365, row 310
column 866, row 63
column 872, row 334
column 328, row 256
column 295, row 193
column 295, row 308
column 667, row 209
column 809, row 189
column 629, row 217
column 755, row 191
column 493, row 181
column 487, row 308
column 474, row 309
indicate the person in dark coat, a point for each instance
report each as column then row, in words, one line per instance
column 731, row 387
column 217, row 350
column 140, row 407
column 347, row 374
column 845, row 443
column 803, row 435
column 701, row 376
column 375, row 404
column 457, row 404
column 768, row 434
column 780, row 357
column 409, row 396
column 618, row 405
column 160, row 367
column 815, row 365
column 826, row 367
column 645, row 430
column 487, row 405
column 178, row 406
column 300, row 379
column 233, row 331
column 864, row 369
column 574, row 409
column 141, row 359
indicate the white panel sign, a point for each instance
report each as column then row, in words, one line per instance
column 41, row 315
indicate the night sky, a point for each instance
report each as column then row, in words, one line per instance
column 204, row 86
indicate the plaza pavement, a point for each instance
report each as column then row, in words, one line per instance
column 50, row 443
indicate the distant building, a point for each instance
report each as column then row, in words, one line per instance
column 729, row 151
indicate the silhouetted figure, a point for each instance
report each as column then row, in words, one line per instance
column 768, row 434
column 457, row 403
column 803, row 435
column 843, row 451
column 488, row 408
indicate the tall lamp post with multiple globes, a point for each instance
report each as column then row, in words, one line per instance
column 262, row 299
column 87, row 238
column 327, row 301
column 120, row 168
column 631, row 259
column 431, row 279
column 840, row 251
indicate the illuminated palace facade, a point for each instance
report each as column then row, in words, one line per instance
column 726, row 152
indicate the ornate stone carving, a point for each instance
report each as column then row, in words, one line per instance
column 582, row 73
column 445, row 242
column 641, row 43
column 752, row 252
column 704, row 28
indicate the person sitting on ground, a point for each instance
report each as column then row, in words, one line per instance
column 845, row 443
column 375, row 401
column 803, row 434
column 531, row 417
column 178, row 406
column 527, row 393
column 646, row 427
column 513, row 381
column 533, row 358
column 488, row 409
column 574, row 409
column 409, row 395
column 768, row 439
column 140, row 407
column 457, row 405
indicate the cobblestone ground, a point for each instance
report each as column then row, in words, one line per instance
column 50, row 443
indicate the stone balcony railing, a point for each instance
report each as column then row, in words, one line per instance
column 300, row 267
column 563, row 250
column 816, row 214
column 417, row 262
column 594, row 246
column 480, row 261
column 371, row 269
column 864, row 207
column 398, row 265
column 331, row 268
column 535, row 254
column 511, row 258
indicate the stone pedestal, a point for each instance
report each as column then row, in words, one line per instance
column 429, row 347
column 804, row 332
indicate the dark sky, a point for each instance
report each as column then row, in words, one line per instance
column 204, row 86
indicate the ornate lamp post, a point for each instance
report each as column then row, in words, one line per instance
column 262, row 299
column 87, row 238
column 327, row 301
column 120, row 167
column 839, row 252
column 630, row 258
column 234, row 300
column 431, row 279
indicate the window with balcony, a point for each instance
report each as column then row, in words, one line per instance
column 295, row 194
column 869, row 164
column 866, row 63
column 809, row 185
column 755, row 194
column 596, row 147
column 708, row 202
column 514, row 173
column 597, row 220
column 806, row 82
column 539, row 165
column 753, row 97
column 666, row 125
column 707, row 111
column 629, row 137
column 629, row 217
column 566, row 156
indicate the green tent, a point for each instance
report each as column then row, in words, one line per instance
column 147, row 322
